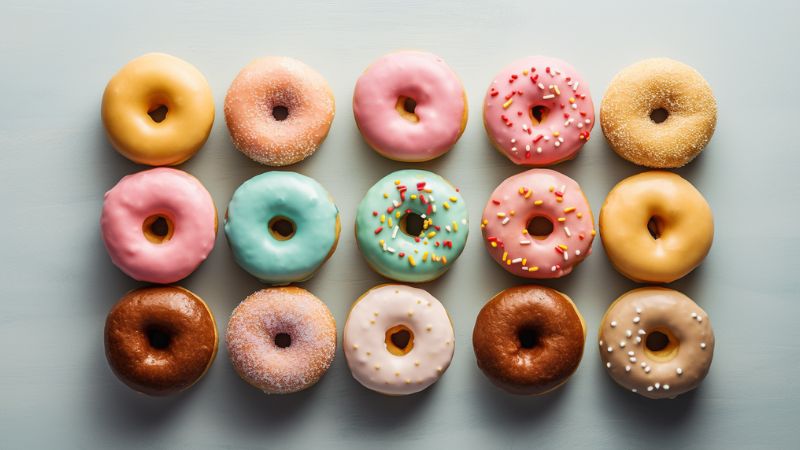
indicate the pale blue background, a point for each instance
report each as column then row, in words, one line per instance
column 57, row 283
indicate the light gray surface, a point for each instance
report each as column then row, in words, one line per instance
column 57, row 282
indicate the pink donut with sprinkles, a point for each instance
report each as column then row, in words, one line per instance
column 538, row 111
column 538, row 224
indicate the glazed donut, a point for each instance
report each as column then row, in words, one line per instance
column 658, row 113
column 411, row 226
column 538, row 111
column 538, row 224
column 158, row 225
column 160, row 340
column 656, row 342
column 529, row 340
column 281, row 340
column 278, row 110
column 398, row 340
column 656, row 227
column 158, row 110
column 282, row 226
column 410, row 106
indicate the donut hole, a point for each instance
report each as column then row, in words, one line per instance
column 655, row 225
column 158, row 113
column 412, row 224
column 281, row 228
column 528, row 338
column 539, row 227
column 158, row 228
column 406, row 107
column 283, row 340
column 659, row 115
column 158, row 337
column 660, row 344
column 399, row 340
column 539, row 114
column 280, row 113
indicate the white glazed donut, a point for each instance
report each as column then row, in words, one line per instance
column 398, row 340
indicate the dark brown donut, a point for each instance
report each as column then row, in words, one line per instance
column 529, row 339
column 160, row 340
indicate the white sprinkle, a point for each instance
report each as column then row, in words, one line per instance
column 553, row 269
column 610, row 349
column 647, row 369
column 632, row 359
column 634, row 390
column 513, row 141
column 613, row 324
column 567, row 232
column 561, row 139
column 638, row 339
column 658, row 386
column 649, row 388
column 601, row 342
column 524, row 126
column 577, row 253
column 506, row 220
column 538, row 149
column 514, row 149
column 580, row 124
column 631, row 353
column 644, row 364
column 541, row 86
column 621, row 344
column 557, row 144
column 627, row 368
column 548, row 96
column 447, row 227
column 516, row 260
column 566, row 256
column 679, row 371
column 699, row 319
column 528, row 147
column 394, row 232
column 703, row 345
column 694, row 315
column 575, row 86
column 588, row 121
column 628, row 333
column 423, row 215
column 666, row 387
column 636, row 319
column 642, row 332
column 524, row 242
column 563, row 189
column 638, row 310
column 396, row 203
column 390, row 249
column 608, row 365
column 430, row 198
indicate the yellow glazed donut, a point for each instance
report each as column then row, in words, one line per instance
column 656, row 227
column 658, row 113
column 158, row 110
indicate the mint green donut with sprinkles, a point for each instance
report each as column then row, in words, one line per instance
column 282, row 226
column 411, row 226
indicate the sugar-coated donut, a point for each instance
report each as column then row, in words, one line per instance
column 656, row 342
column 656, row 227
column 160, row 340
column 278, row 110
column 658, row 113
column 529, row 339
column 158, row 225
column 538, row 224
column 281, row 340
column 282, row 226
column 158, row 110
column 411, row 226
column 410, row 106
column 398, row 340
column 538, row 111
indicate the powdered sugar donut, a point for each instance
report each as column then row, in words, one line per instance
column 278, row 110
column 410, row 106
column 281, row 340
column 538, row 111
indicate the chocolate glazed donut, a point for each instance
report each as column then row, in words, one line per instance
column 160, row 340
column 529, row 340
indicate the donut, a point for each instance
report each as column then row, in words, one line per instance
column 411, row 226
column 278, row 110
column 538, row 224
column 281, row 340
column 282, row 226
column 538, row 111
column 528, row 340
column 158, row 225
column 160, row 340
column 398, row 340
column 656, row 342
column 410, row 106
column 158, row 110
column 658, row 113
column 656, row 227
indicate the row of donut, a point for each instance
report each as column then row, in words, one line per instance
column 399, row 340
column 410, row 106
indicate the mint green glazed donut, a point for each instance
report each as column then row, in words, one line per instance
column 411, row 226
column 281, row 226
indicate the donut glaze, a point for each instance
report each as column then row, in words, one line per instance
column 625, row 338
column 436, row 122
column 255, row 344
column 532, row 84
column 384, row 239
column 529, row 339
column 265, row 89
column 289, row 196
column 658, row 83
column 656, row 227
column 533, row 194
column 172, row 195
column 143, row 86
column 376, row 362
column 160, row 340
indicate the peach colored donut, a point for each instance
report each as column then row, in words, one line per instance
column 158, row 225
column 278, row 110
column 281, row 340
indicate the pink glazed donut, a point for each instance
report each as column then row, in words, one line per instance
column 158, row 225
column 538, row 224
column 538, row 111
column 410, row 106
